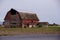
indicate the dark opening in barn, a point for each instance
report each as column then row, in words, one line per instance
column 13, row 12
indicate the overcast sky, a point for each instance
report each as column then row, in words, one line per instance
column 46, row 10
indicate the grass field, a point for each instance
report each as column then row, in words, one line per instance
column 20, row 31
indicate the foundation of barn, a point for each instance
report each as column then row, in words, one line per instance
column 28, row 25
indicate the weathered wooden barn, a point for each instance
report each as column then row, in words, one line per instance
column 15, row 19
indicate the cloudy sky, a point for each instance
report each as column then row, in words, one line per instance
column 46, row 10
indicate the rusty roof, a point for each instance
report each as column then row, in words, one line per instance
column 29, row 16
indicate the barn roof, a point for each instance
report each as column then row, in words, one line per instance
column 23, row 15
column 29, row 16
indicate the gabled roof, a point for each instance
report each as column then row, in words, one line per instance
column 23, row 15
column 29, row 16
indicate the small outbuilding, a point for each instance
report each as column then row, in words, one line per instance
column 43, row 24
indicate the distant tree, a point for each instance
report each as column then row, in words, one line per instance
column 54, row 24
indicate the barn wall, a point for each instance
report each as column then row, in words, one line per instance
column 14, row 20
column 29, row 23
column 7, row 23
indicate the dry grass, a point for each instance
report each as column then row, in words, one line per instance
column 41, row 30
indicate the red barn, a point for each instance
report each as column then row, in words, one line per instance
column 15, row 19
